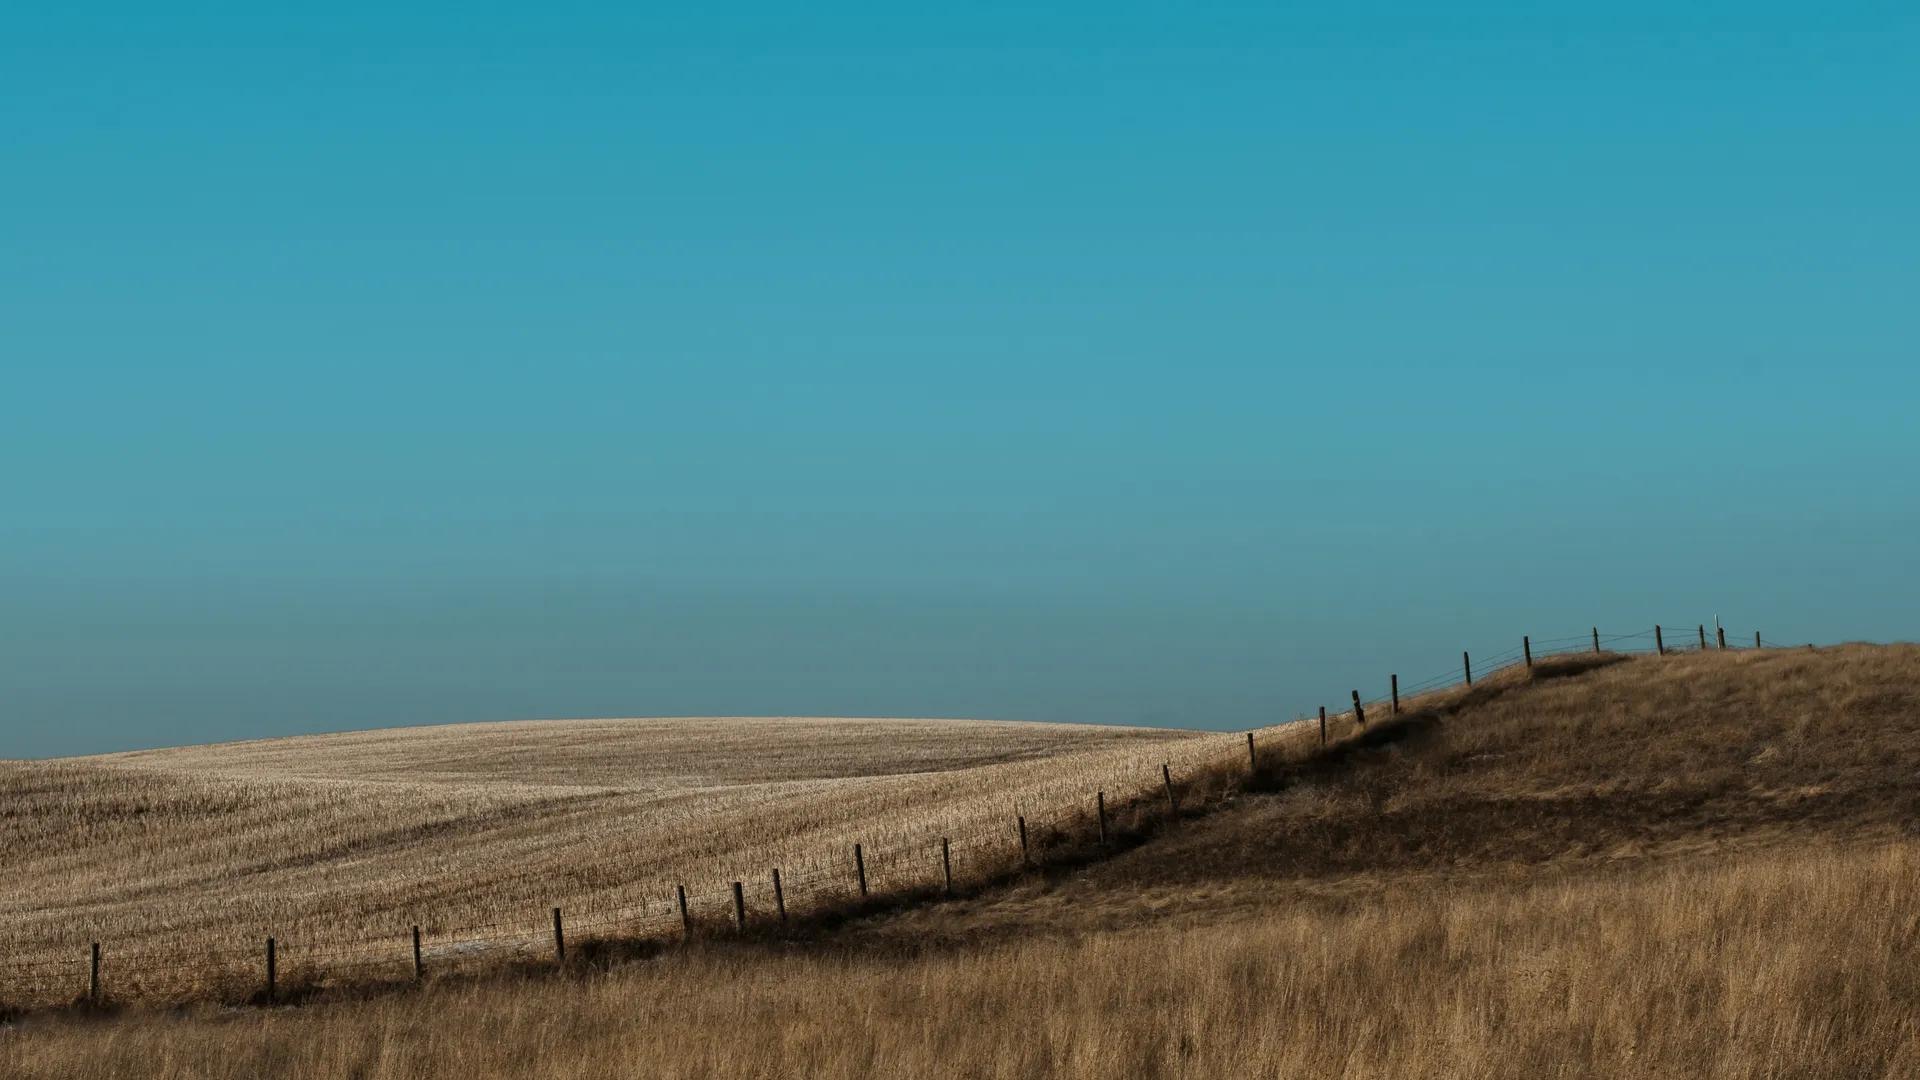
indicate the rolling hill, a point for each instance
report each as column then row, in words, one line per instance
column 1696, row 865
column 181, row 862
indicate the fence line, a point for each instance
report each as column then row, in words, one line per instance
column 818, row 883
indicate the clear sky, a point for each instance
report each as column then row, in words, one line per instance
column 1109, row 362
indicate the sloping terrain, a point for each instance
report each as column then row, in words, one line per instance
column 1700, row 865
column 1579, row 766
column 181, row 862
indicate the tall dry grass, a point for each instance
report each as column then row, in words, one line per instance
column 180, row 862
column 1685, row 866
column 1775, row 965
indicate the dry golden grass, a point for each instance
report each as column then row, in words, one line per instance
column 1689, row 866
column 1800, row 965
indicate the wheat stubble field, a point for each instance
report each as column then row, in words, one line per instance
column 182, row 861
column 1699, row 865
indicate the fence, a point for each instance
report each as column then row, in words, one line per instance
column 828, row 883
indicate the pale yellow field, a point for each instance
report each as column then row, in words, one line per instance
column 181, row 862
column 1685, row 866
column 1690, row 866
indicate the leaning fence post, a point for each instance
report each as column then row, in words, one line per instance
column 1467, row 663
column 686, row 920
column 1100, row 810
column 779, row 897
column 1526, row 648
column 1025, row 858
column 1720, row 633
column 93, row 979
column 1703, row 636
column 860, row 868
column 1396, row 694
column 1596, row 639
column 946, row 865
column 1359, row 713
column 419, row 968
column 559, row 940
column 1166, row 774
column 1323, row 725
column 1659, row 645
column 739, row 908
column 273, row 973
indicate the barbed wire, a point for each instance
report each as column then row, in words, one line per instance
column 809, row 883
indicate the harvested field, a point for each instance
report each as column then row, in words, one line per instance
column 182, row 861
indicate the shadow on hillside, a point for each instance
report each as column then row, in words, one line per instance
column 1230, row 824
column 1411, row 730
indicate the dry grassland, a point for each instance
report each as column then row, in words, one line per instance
column 1691, row 866
column 1775, row 966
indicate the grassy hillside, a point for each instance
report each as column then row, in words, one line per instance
column 1589, row 763
column 1699, row 865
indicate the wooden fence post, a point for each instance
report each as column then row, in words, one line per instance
column 419, row 966
column 1596, row 639
column 1526, row 648
column 1396, row 694
column 739, row 908
column 1166, row 774
column 686, row 920
column 273, row 973
column 779, row 897
column 1720, row 633
column 1659, row 645
column 93, row 979
column 1323, row 725
column 1100, row 808
column 1253, row 764
column 946, row 865
column 1756, row 639
column 860, row 868
column 1359, row 714
column 1025, row 858
column 1467, row 663
column 559, row 941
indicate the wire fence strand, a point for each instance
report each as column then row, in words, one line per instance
column 811, row 882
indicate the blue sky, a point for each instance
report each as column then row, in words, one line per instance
column 1147, row 364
